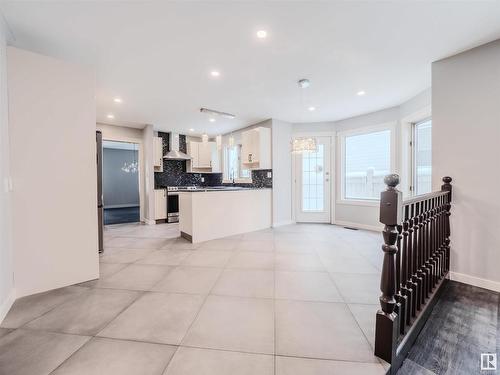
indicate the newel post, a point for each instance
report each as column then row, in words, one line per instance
column 387, row 322
column 447, row 187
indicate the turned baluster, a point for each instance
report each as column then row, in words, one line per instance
column 416, row 278
column 411, row 268
column 405, row 268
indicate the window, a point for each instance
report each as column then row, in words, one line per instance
column 422, row 157
column 366, row 161
column 233, row 169
column 312, row 180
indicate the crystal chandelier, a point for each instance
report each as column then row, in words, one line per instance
column 304, row 144
column 131, row 167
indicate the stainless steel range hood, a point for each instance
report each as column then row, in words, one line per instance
column 175, row 153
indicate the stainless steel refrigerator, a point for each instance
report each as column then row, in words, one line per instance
column 100, row 206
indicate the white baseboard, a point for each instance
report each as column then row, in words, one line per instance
column 475, row 281
column 149, row 222
column 349, row 224
column 281, row 223
column 5, row 307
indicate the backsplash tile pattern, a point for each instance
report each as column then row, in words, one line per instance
column 174, row 172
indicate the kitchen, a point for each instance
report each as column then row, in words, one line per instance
column 200, row 180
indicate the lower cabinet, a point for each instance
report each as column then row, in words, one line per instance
column 160, row 204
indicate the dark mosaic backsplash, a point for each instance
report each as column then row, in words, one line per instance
column 174, row 172
column 259, row 179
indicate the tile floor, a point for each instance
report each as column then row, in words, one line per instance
column 294, row 300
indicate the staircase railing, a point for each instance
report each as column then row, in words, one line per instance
column 416, row 262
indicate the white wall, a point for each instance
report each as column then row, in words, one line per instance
column 7, row 293
column 53, row 166
column 366, row 215
column 465, row 146
column 149, row 174
column 282, row 172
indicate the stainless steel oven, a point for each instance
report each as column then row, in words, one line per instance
column 172, row 205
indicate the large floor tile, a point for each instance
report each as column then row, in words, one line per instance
column 222, row 244
column 135, row 277
column 27, row 352
column 306, row 286
column 245, row 283
column 358, row 288
column 180, row 244
column 347, row 263
column 165, row 257
column 365, row 316
column 123, row 255
column 4, row 331
column 319, row 330
column 293, row 245
column 102, row 356
column 298, row 262
column 234, row 323
column 194, row 361
column 108, row 269
column 156, row 317
column 252, row 259
column 185, row 279
column 137, row 243
column 209, row 258
column 87, row 314
column 256, row 245
column 28, row 308
column 305, row 366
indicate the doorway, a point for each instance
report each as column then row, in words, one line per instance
column 313, row 181
column 120, row 182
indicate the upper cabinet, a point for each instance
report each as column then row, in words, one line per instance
column 205, row 157
column 158, row 154
column 256, row 148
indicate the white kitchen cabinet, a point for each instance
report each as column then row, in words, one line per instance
column 160, row 204
column 205, row 156
column 256, row 148
column 158, row 154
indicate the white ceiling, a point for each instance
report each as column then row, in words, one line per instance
column 157, row 56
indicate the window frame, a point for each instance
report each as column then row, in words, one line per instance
column 413, row 156
column 341, row 137
column 239, row 179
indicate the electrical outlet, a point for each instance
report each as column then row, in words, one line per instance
column 269, row 174
column 203, row 179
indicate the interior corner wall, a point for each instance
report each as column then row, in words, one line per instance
column 282, row 172
column 149, row 174
column 53, row 167
column 465, row 137
column 7, row 292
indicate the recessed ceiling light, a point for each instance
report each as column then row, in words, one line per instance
column 191, row 130
column 262, row 34
column 110, row 116
column 215, row 73
column 117, row 100
column 312, row 108
column 361, row 93
column 211, row 119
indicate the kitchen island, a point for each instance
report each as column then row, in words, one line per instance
column 208, row 214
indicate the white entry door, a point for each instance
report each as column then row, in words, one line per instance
column 313, row 184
